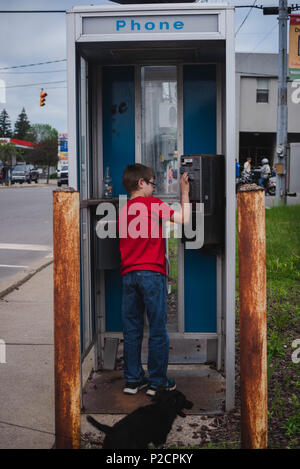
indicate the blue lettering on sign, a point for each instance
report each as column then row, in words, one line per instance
column 134, row 25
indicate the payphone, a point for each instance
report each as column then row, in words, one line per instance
column 206, row 175
column 146, row 84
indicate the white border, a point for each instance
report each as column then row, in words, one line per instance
column 230, row 214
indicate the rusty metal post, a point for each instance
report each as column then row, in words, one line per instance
column 253, row 322
column 66, row 318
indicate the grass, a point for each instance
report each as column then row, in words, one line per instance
column 283, row 322
column 173, row 254
column 283, row 245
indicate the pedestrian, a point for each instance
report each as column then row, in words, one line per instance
column 237, row 169
column 5, row 174
column 265, row 173
column 170, row 175
column 247, row 165
column 143, row 273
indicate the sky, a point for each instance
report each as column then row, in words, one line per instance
column 32, row 38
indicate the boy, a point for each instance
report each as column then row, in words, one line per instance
column 143, row 270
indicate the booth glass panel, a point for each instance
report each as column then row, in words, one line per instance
column 200, row 136
column 83, row 130
column 172, row 271
column 87, row 326
column 159, row 126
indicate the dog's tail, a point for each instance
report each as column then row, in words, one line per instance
column 100, row 426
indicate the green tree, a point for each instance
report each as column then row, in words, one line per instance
column 5, row 125
column 22, row 126
column 41, row 132
column 7, row 151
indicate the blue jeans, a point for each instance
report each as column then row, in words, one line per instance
column 145, row 288
column 262, row 182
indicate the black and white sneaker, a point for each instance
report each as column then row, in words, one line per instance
column 170, row 386
column 133, row 388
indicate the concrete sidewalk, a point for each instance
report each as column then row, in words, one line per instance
column 27, row 377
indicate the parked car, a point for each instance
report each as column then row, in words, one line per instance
column 63, row 177
column 23, row 172
column 18, row 173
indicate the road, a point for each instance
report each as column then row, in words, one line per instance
column 26, row 227
column 271, row 201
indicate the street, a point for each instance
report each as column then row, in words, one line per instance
column 26, row 227
column 271, row 201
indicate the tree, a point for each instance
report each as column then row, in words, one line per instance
column 45, row 153
column 7, row 151
column 22, row 126
column 42, row 132
column 5, row 125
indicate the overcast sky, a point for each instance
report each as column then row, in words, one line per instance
column 33, row 38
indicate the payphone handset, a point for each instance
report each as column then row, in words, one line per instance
column 206, row 173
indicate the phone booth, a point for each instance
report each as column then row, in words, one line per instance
column 155, row 84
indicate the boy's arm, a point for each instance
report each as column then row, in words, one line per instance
column 183, row 215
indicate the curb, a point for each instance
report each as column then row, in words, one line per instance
column 22, row 186
column 17, row 280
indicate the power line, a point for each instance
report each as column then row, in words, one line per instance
column 32, row 11
column 249, row 6
column 33, row 65
column 265, row 37
column 44, row 71
column 33, row 84
column 246, row 17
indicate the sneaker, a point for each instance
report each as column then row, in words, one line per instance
column 170, row 386
column 133, row 388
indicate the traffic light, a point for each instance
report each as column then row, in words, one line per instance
column 42, row 97
column 274, row 10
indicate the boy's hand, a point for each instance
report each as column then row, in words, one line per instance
column 182, row 216
column 184, row 183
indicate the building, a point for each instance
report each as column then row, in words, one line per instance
column 19, row 144
column 256, row 107
column 62, row 150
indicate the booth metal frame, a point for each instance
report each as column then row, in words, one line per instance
column 77, row 44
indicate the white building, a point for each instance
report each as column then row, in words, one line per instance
column 256, row 106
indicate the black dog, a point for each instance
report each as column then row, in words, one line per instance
column 147, row 424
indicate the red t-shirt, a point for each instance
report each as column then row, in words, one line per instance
column 140, row 228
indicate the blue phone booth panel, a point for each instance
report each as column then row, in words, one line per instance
column 199, row 90
column 118, row 152
column 200, row 275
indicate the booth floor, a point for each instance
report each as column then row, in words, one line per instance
column 204, row 386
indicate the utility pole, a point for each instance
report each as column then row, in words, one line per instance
column 282, row 110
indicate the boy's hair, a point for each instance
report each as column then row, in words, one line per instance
column 133, row 173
